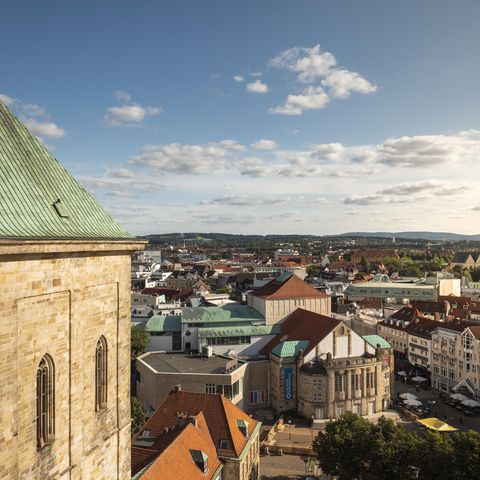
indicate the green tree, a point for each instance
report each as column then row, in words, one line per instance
column 466, row 448
column 437, row 459
column 475, row 273
column 393, row 452
column 352, row 448
column 341, row 449
column 364, row 264
column 140, row 340
column 137, row 414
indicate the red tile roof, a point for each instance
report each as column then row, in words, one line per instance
column 302, row 325
column 292, row 287
column 407, row 314
column 431, row 306
column 475, row 331
column 174, row 460
column 220, row 414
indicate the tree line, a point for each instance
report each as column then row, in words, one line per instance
column 352, row 448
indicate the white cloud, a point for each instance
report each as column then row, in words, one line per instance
column 328, row 152
column 257, row 87
column 187, row 159
column 312, row 98
column 264, row 144
column 120, row 193
column 120, row 184
column 309, row 63
column 312, row 65
column 410, row 193
column 429, row 150
column 122, row 95
column 7, row 100
column 435, row 187
column 128, row 115
column 244, row 201
column 256, row 74
column 374, row 199
column 420, row 151
column 35, row 118
column 341, row 83
column 44, row 129
column 254, row 167
column 238, row 78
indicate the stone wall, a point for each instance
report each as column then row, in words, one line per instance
column 59, row 299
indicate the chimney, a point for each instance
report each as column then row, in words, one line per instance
column 193, row 420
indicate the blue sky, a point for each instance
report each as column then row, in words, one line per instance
column 256, row 116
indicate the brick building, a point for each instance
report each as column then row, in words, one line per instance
column 65, row 329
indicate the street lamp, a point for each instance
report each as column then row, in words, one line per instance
column 305, row 459
column 289, row 429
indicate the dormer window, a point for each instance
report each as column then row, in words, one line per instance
column 243, row 427
column 223, row 444
column 201, row 460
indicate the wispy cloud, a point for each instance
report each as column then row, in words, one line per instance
column 238, row 78
column 122, row 95
column 410, row 193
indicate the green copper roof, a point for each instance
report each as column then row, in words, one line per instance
column 290, row 348
column 38, row 197
column 375, row 340
column 164, row 323
column 244, row 331
column 227, row 313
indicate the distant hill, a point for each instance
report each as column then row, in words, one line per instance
column 438, row 236
column 227, row 237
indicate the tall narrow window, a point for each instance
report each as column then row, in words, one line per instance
column 101, row 374
column 45, row 401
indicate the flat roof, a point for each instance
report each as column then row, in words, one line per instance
column 392, row 285
column 226, row 313
column 182, row 363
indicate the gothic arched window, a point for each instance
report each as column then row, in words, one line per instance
column 101, row 374
column 45, row 401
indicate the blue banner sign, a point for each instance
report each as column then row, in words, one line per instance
column 288, row 384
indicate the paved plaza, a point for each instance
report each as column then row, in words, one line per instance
column 440, row 410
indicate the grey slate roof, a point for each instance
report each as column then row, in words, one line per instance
column 39, row 199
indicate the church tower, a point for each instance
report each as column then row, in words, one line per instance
column 64, row 321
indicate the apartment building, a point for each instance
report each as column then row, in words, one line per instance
column 456, row 358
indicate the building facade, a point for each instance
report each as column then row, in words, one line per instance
column 65, row 329
column 283, row 295
column 456, row 359
column 159, row 373
column 321, row 368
